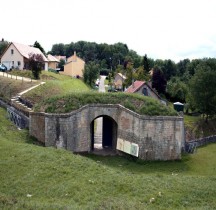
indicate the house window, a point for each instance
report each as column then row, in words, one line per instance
column 13, row 63
column 18, row 63
column 145, row 91
column 12, row 51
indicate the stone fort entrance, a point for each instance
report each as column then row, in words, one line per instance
column 146, row 137
column 103, row 132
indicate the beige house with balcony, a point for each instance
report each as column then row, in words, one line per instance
column 16, row 56
column 74, row 66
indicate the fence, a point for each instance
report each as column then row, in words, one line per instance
column 191, row 146
column 5, row 74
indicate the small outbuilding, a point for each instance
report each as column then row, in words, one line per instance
column 179, row 107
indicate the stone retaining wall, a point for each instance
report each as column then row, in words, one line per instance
column 190, row 146
column 15, row 115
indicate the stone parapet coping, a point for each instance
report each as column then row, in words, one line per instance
column 117, row 106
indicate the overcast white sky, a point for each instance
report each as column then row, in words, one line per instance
column 165, row 29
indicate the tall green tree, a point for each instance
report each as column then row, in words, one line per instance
column 3, row 46
column 177, row 89
column 59, row 49
column 158, row 80
column 141, row 74
column 38, row 45
column 91, row 73
column 130, row 74
column 182, row 66
column 61, row 64
column 146, row 63
column 202, row 90
column 169, row 69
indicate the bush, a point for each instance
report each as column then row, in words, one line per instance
column 53, row 70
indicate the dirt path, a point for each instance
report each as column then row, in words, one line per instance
column 99, row 121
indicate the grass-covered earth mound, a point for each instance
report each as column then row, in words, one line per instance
column 140, row 104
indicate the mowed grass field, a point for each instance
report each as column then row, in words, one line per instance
column 35, row 177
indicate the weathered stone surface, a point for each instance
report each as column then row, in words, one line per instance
column 159, row 138
column 37, row 126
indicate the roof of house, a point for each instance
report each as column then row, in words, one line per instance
column 52, row 58
column 60, row 57
column 122, row 76
column 135, row 86
column 25, row 50
column 73, row 58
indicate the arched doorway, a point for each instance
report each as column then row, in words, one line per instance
column 103, row 133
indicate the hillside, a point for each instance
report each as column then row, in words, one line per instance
column 10, row 87
column 34, row 177
column 64, row 94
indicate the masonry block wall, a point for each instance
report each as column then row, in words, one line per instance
column 159, row 138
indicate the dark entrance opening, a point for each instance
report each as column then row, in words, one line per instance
column 103, row 134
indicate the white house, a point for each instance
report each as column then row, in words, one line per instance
column 17, row 55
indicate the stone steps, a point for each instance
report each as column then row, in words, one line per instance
column 17, row 101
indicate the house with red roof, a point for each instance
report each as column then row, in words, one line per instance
column 143, row 88
column 16, row 56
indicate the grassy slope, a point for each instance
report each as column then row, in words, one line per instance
column 10, row 87
column 135, row 102
column 64, row 94
column 57, row 179
column 55, row 85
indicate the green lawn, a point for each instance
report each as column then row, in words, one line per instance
column 56, row 85
column 35, row 177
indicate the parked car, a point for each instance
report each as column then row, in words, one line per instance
column 3, row 67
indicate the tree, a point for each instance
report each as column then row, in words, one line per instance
column 36, row 64
column 182, row 67
column 193, row 65
column 141, row 74
column 37, row 45
column 61, row 64
column 169, row 69
column 146, row 64
column 3, row 46
column 91, row 73
column 158, row 80
column 129, row 74
column 59, row 49
column 177, row 89
column 202, row 90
